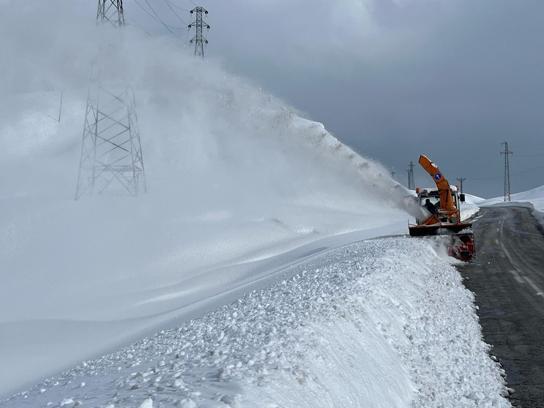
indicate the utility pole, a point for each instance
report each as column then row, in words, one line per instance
column 111, row 150
column 507, row 153
column 410, row 171
column 460, row 180
column 111, row 11
column 199, row 24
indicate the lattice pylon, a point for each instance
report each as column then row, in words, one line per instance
column 111, row 11
column 199, row 25
column 111, row 151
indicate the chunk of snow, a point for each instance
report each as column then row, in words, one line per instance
column 148, row 403
column 187, row 403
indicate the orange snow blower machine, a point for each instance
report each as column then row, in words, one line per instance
column 441, row 207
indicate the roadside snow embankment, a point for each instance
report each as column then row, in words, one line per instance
column 471, row 206
column 383, row 323
column 532, row 198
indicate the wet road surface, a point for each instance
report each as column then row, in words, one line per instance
column 507, row 278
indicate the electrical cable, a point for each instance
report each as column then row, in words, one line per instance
column 167, row 26
column 154, row 16
column 179, row 7
column 175, row 13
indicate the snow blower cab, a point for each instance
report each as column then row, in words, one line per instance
column 429, row 200
column 441, row 213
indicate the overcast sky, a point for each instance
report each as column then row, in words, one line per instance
column 394, row 78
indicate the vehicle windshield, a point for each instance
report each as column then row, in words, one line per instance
column 433, row 200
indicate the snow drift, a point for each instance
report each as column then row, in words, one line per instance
column 534, row 199
column 236, row 179
column 534, row 196
column 383, row 323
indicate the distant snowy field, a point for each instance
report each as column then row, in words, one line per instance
column 534, row 197
column 382, row 323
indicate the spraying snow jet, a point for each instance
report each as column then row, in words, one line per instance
column 193, row 116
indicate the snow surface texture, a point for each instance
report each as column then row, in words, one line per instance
column 470, row 206
column 533, row 198
column 239, row 185
column 381, row 323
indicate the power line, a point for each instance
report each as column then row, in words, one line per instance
column 146, row 10
column 179, row 7
column 174, row 12
column 167, row 26
column 154, row 15
column 133, row 23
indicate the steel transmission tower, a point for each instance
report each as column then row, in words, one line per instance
column 410, row 171
column 507, row 153
column 112, row 11
column 111, row 150
column 199, row 24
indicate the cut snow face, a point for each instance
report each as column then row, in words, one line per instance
column 383, row 323
column 470, row 206
column 239, row 185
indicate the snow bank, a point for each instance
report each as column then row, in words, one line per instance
column 239, row 185
column 533, row 198
column 471, row 206
column 382, row 323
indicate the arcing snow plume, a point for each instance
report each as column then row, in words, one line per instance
column 235, row 178
column 195, row 118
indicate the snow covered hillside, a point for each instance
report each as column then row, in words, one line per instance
column 382, row 323
column 534, row 196
column 239, row 185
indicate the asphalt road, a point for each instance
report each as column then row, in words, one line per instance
column 507, row 278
